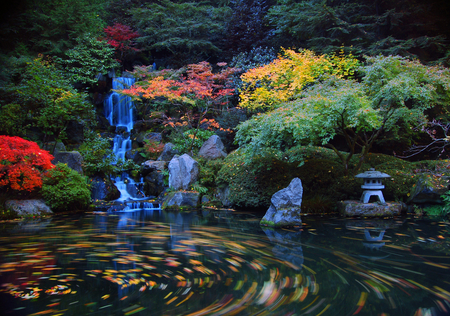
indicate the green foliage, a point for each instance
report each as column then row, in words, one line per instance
column 394, row 93
column 183, row 141
column 12, row 120
column 99, row 159
column 324, row 111
column 52, row 26
column 436, row 210
column 254, row 178
column 439, row 210
column 446, row 199
column 188, row 31
column 208, row 172
column 47, row 100
column 64, row 189
column 403, row 88
column 165, row 174
column 364, row 27
column 197, row 187
column 88, row 59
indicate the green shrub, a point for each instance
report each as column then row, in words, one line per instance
column 436, row 210
column 98, row 157
column 183, row 141
column 254, row 178
column 208, row 171
column 64, row 189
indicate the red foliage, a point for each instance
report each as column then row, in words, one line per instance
column 121, row 37
column 22, row 163
column 197, row 82
column 153, row 149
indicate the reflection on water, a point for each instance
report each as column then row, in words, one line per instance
column 152, row 262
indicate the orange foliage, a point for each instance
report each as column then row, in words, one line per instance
column 195, row 82
column 153, row 149
column 22, row 163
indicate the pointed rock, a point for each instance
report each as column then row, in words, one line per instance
column 183, row 172
column 285, row 206
column 213, row 148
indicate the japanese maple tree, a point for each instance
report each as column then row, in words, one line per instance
column 195, row 89
column 22, row 163
column 121, row 37
column 282, row 80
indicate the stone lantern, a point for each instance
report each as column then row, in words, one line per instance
column 372, row 185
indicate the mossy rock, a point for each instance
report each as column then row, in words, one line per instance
column 181, row 201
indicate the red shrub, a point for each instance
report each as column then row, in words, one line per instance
column 153, row 149
column 22, row 163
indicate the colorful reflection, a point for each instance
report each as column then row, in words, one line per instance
column 152, row 262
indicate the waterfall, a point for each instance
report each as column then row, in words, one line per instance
column 119, row 112
column 119, row 108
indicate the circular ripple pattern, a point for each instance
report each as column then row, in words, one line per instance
column 123, row 265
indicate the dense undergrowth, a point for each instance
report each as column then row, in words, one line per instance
column 323, row 179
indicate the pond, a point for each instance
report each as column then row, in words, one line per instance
column 152, row 262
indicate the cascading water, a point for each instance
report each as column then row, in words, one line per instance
column 119, row 111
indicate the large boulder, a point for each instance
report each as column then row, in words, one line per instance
column 285, row 206
column 223, row 194
column 213, row 148
column 28, row 207
column 104, row 189
column 181, row 200
column 183, row 172
column 152, row 165
column 54, row 148
column 168, row 152
column 143, row 137
column 152, row 171
column 71, row 158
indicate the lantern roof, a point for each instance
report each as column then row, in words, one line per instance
column 371, row 173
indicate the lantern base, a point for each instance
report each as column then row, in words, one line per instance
column 368, row 193
column 357, row 208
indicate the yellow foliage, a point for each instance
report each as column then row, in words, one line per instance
column 284, row 78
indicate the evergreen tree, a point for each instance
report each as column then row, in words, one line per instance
column 396, row 27
column 247, row 27
column 51, row 26
column 188, row 32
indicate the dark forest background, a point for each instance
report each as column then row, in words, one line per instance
column 173, row 33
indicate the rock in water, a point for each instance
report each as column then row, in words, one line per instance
column 183, row 172
column 28, row 207
column 181, row 201
column 285, row 206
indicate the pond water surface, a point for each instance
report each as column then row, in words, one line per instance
column 152, row 262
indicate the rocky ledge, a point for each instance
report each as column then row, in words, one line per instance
column 357, row 208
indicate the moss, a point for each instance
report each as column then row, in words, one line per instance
column 252, row 182
column 267, row 223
